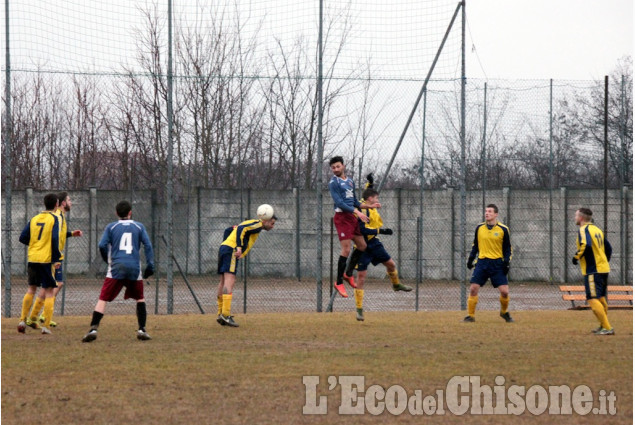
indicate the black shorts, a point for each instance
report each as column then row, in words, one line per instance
column 595, row 285
column 227, row 261
column 41, row 274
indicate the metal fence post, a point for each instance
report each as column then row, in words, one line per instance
column 565, row 227
column 508, row 218
column 452, row 233
column 419, row 260
column 198, row 228
column 28, row 213
column 298, row 272
column 623, row 234
column 399, row 211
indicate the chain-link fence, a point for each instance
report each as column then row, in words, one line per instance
column 279, row 273
column 198, row 112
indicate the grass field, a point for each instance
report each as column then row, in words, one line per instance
column 197, row 372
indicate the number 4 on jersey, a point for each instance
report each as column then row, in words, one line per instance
column 125, row 244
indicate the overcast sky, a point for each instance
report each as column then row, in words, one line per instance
column 509, row 39
column 560, row 39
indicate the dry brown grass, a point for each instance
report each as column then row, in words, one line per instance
column 197, row 372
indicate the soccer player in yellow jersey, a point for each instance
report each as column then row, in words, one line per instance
column 63, row 207
column 41, row 234
column 375, row 252
column 493, row 246
column 593, row 255
column 237, row 242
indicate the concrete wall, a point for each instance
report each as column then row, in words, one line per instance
column 290, row 249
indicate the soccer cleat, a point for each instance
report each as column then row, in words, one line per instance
column 22, row 327
column 143, row 335
column 32, row 323
column 469, row 319
column 229, row 321
column 596, row 330
column 220, row 320
column 341, row 289
column 360, row 315
column 41, row 319
column 605, row 332
column 350, row 279
column 90, row 336
column 46, row 331
column 507, row 317
column 401, row 287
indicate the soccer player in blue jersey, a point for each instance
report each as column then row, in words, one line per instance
column 593, row 254
column 375, row 252
column 64, row 207
column 238, row 241
column 345, row 202
column 120, row 247
column 41, row 234
column 492, row 244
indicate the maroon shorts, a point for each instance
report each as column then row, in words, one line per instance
column 346, row 225
column 112, row 287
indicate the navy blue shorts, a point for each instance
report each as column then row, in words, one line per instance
column 595, row 285
column 227, row 261
column 41, row 274
column 375, row 253
column 59, row 273
column 489, row 269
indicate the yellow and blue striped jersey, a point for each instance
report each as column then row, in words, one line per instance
column 492, row 242
column 41, row 234
column 370, row 230
column 244, row 235
column 64, row 233
column 594, row 252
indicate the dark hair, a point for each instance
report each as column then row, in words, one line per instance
column 50, row 201
column 493, row 206
column 586, row 212
column 336, row 159
column 367, row 193
column 62, row 197
column 123, row 209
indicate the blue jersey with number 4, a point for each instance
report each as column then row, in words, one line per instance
column 120, row 248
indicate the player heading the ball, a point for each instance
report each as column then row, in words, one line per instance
column 237, row 242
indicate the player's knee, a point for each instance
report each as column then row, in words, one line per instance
column 474, row 290
column 390, row 266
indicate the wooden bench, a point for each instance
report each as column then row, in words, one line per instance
column 575, row 293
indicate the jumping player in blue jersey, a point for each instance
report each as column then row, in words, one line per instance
column 120, row 248
column 345, row 202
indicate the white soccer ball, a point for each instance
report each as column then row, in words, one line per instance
column 265, row 212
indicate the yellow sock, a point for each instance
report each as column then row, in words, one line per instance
column 394, row 277
column 359, row 298
column 227, row 304
column 49, row 306
column 471, row 305
column 219, row 300
column 598, row 310
column 504, row 303
column 27, row 302
column 39, row 302
column 605, row 305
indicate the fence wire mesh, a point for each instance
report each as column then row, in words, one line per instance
column 278, row 274
column 85, row 106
